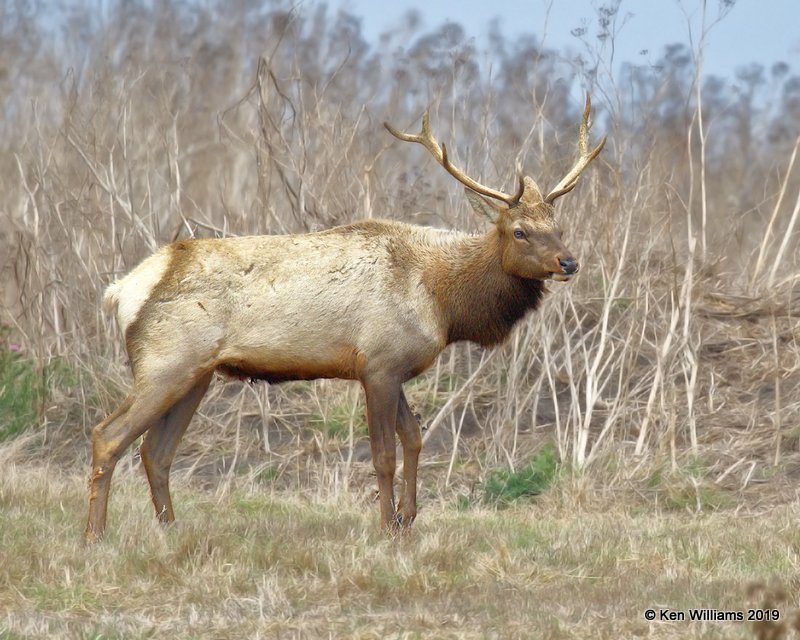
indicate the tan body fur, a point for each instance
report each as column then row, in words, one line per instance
column 334, row 304
column 372, row 301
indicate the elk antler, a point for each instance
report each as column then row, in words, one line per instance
column 585, row 156
column 427, row 140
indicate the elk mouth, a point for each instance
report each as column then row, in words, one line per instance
column 569, row 267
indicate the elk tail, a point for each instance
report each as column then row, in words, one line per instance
column 111, row 298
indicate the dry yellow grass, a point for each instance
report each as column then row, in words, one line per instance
column 248, row 563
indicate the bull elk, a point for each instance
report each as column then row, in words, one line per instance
column 373, row 301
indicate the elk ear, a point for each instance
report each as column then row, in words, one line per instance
column 484, row 207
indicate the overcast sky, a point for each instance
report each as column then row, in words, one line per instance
column 765, row 31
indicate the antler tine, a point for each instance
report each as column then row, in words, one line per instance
column 521, row 181
column 585, row 156
column 425, row 137
column 427, row 140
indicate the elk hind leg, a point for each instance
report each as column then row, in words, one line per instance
column 110, row 438
column 138, row 413
column 161, row 443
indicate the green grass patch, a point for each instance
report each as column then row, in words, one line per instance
column 24, row 390
column 268, row 475
column 691, row 497
column 687, row 488
column 336, row 424
column 505, row 486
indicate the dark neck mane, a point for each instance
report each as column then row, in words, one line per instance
column 481, row 302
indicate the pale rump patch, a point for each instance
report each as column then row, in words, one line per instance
column 129, row 294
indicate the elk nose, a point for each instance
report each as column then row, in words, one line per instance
column 568, row 265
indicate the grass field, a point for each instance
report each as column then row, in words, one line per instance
column 243, row 562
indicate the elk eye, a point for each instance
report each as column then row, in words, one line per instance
column 519, row 234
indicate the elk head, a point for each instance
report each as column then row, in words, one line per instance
column 530, row 239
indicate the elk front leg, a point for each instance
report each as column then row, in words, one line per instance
column 382, row 400
column 411, row 439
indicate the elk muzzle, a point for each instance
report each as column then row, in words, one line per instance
column 569, row 265
column 566, row 267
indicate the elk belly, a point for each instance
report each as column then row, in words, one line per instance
column 275, row 365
